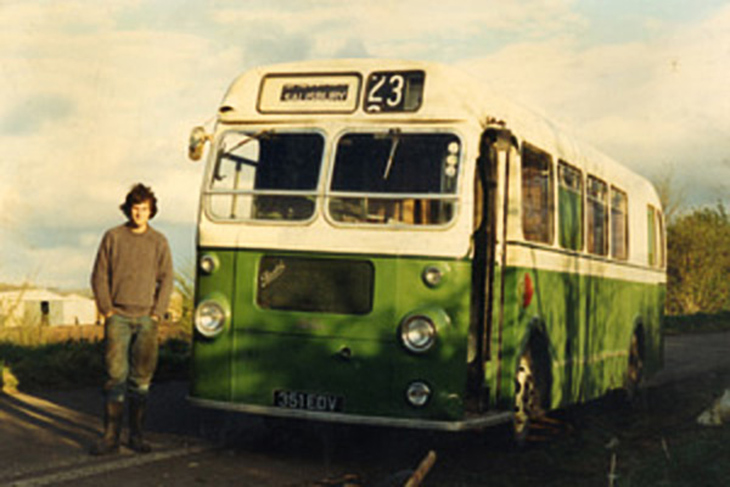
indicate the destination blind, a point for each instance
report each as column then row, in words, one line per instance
column 334, row 93
column 324, row 93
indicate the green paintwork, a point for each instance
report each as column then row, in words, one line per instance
column 265, row 350
column 211, row 367
column 588, row 321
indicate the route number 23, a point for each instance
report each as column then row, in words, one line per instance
column 388, row 91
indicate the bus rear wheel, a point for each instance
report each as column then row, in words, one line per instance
column 635, row 370
column 529, row 396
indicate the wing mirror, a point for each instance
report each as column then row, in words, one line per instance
column 196, row 144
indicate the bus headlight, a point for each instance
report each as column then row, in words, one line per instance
column 208, row 263
column 210, row 317
column 418, row 394
column 418, row 333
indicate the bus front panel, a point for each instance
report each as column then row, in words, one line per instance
column 323, row 333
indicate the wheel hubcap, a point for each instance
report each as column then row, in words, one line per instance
column 527, row 397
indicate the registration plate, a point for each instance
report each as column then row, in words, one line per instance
column 308, row 401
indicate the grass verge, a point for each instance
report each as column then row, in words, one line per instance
column 697, row 323
column 77, row 363
column 657, row 443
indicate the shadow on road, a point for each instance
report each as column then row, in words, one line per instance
column 43, row 421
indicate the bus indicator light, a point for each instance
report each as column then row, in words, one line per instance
column 432, row 276
column 196, row 144
column 208, row 264
column 528, row 291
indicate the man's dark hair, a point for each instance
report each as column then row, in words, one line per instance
column 139, row 194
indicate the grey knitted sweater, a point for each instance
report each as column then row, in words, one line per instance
column 133, row 273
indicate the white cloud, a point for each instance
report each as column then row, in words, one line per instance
column 653, row 104
column 97, row 96
column 408, row 28
column 123, row 104
column 64, row 267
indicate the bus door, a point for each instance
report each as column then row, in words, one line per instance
column 483, row 241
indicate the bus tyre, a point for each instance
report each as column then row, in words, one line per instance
column 529, row 397
column 635, row 370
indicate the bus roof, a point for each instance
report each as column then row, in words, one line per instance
column 443, row 92
column 448, row 95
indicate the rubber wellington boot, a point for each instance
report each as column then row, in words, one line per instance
column 109, row 443
column 137, row 413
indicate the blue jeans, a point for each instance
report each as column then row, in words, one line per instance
column 131, row 356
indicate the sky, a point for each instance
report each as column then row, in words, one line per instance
column 96, row 96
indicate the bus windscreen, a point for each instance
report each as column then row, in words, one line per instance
column 266, row 176
column 395, row 178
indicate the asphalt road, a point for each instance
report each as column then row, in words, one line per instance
column 44, row 438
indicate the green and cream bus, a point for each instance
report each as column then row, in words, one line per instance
column 392, row 243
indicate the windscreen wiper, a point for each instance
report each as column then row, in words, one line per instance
column 249, row 138
column 394, row 133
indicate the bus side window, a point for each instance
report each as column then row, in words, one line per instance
column 655, row 227
column 651, row 234
column 570, row 206
column 619, row 224
column 537, row 195
column 660, row 231
column 597, row 212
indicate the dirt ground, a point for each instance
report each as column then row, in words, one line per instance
column 656, row 442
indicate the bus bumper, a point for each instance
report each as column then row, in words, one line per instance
column 471, row 423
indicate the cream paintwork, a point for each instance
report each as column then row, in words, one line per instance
column 548, row 259
column 323, row 235
column 452, row 100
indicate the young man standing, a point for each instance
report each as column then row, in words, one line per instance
column 132, row 280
